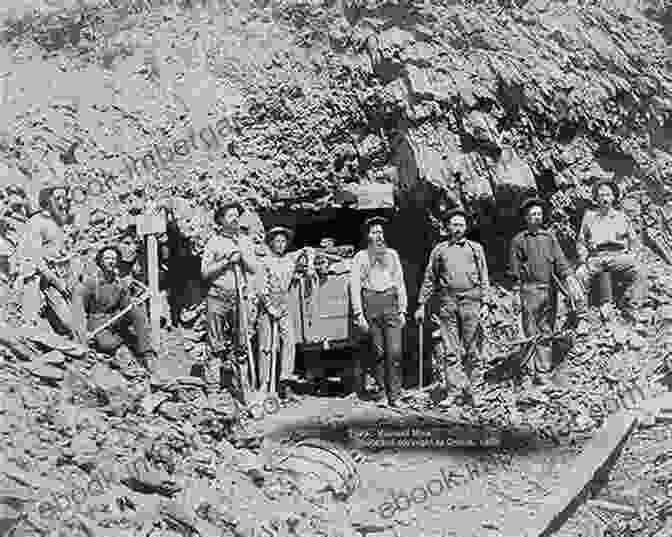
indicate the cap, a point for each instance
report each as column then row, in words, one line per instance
column 531, row 202
column 454, row 212
column 279, row 230
column 610, row 184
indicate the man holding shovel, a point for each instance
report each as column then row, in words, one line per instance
column 538, row 266
column 228, row 262
column 458, row 273
column 276, row 326
column 104, row 296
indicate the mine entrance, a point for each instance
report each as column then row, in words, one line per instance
column 408, row 232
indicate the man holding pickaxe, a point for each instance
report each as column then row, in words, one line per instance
column 540, row 270
column 458, row 273
column 104, row 311
column 228, row 264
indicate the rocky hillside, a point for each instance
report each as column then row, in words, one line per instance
column 292, row 103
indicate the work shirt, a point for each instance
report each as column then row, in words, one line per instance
column 455, row 267
column 219, row 248
column 536, row 256
column 278, row 276
column 377, row 273
column 613, row 229
column 96, row 299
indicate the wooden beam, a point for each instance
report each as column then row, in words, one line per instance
column 592, row 465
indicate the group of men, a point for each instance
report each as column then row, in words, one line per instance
column 457, row 275
column 250, row 277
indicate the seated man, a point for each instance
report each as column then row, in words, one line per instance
column 606, row 245
column 101, row 296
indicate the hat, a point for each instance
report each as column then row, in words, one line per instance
column 223, row 204
column 610, row 184
column 279, row 230
column 15, row 190
column 531, row 202
column 454, row 212
column 372, row 221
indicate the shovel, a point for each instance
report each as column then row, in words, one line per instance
column 267, row 393
column 248, row 396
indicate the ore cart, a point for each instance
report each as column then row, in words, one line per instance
column 324, row 326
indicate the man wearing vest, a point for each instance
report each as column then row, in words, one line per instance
column 379, row 303
column 228, row 262
column 606, row 246
column 458, row 273
column 536, row 261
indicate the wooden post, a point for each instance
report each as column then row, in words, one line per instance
column 155, row 303
column 151, row 224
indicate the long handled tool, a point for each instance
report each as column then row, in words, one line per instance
column 135, row 302
column 421, row 354
column 244, row 332
column 274, row 357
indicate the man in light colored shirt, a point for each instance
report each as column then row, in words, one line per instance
column 606, row 246
column 379, row 303
column 279, row 268
column 228, row 261
column 458, row 273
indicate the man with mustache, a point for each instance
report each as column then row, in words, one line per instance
column 101, row 296
column 458, row 273
column 379, row 303
column 228, row 264
column 536, row 261
column 44, row 266
column 606, row 246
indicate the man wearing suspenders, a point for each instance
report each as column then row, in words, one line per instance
column 458, row 273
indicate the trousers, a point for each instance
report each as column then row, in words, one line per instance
column 133, row 327
column 286, row 340
column 381, row 310
column 622, row 265
column 459, row 322
column 36, row 295
column 539, row 310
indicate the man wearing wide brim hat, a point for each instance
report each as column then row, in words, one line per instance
column 606, row 247
column 457, row 272
column 538, row 266
column 228, row 263
column 280, row 230
column 280, row 270
column 379, row 303
column 41, row 257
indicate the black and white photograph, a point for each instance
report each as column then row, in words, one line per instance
column 335, row 268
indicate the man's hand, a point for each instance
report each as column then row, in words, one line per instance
column 517, row 302
column 402, row 318
column 420, row 315
column 485, row 311
column 361, row 322
column 235, row 257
